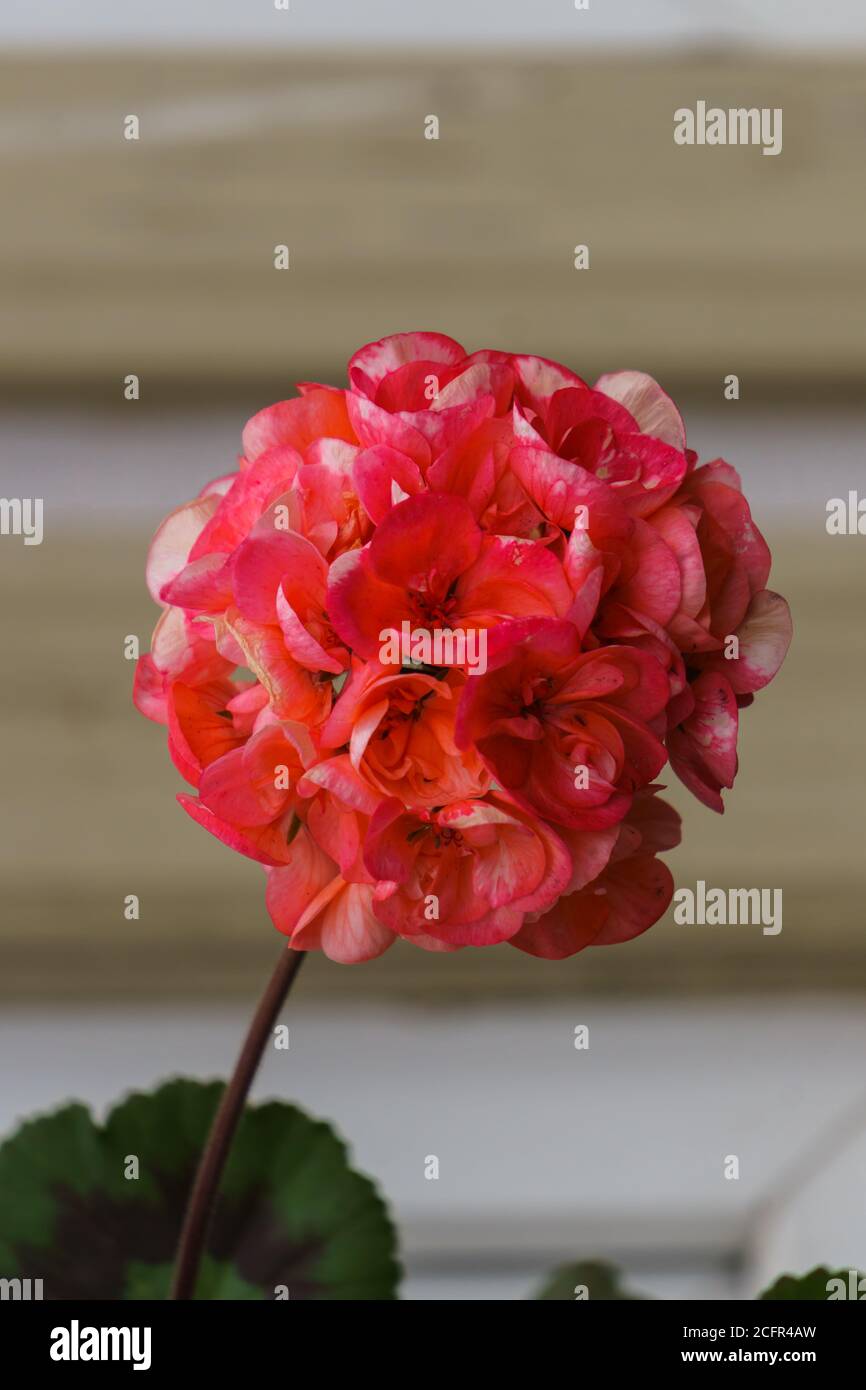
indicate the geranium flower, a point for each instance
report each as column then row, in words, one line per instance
column 430, row 564
column 630, row 892
column 465, row 874
column 564, row 731
column 321, row 898
column 423, row 654
column 247, row 782
column 724, row 563
column 419, row 393
column 593, row 432
column 399, row 729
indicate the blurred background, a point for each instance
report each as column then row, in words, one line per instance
column 155, row 257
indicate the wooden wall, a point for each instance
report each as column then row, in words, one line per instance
column 157, row 256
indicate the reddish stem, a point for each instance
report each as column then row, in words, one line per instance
column 225, row 1122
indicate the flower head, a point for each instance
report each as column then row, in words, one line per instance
column 425, row 653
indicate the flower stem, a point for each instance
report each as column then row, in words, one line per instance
column 225, row 1122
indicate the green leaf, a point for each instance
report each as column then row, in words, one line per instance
column 217, row 1279
column 292, row 1218
column 820, row 1285
column 600, row 1280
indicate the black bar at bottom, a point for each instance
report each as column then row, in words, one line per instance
column 73, row 1339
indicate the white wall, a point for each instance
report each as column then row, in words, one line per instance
column 546, row 1153
column 778, row 23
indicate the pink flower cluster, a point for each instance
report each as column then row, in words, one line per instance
column 612, row 596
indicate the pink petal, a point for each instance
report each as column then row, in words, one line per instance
column 703, row 750
column 361, row 606
column 728, row 509
column 376, row 472
column 558, row 488
column 660, row 468
column 492, row 380
column 170, row 547
column 371, row 364
column 338, row 777
column 298, row 423
column 539, row 379
column 248, row 497
column 260, row 563
column 292, row 691
column 374, row 426
column 199, row 731
column 266, row 844
column 584, row 567
column 204, row 585
column 638, row 892
column 571, row 924
column 764, row 638
column 149, row 690
column 676, row 529
column 302, row 645
column 443, row 426
column 512, row 579
column 653, row 586
column 180, row 650
column 651, row 407
column 292, row 888
column 590, row 851
column 341, row 922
